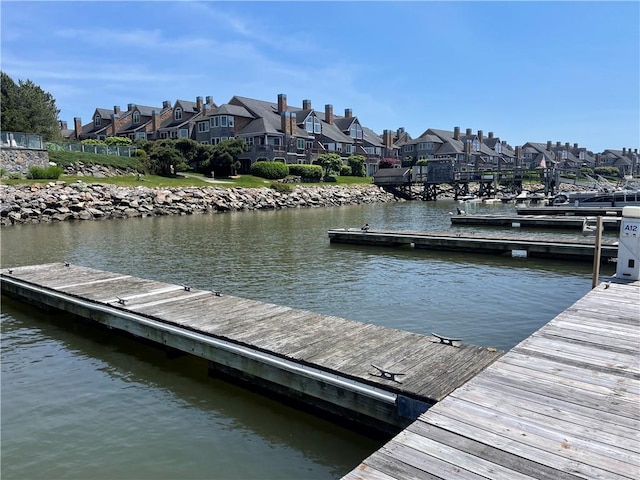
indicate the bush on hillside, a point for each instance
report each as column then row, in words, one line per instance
column 607, row 171
column 308, row 173
column 345, row 171
column 270, row 170
column 52, row 172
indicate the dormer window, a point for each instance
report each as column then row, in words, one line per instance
column 177, row 114
column 317, row 127
column 97, row 121
column 476, row 144
column 136, row 117
column 499, row 147
column 356, row 131
column 309, row 124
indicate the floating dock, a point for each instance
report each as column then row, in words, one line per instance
column 563, row 404
column 373, row 376
column 580, row 249
column 576, row 211
column 532, row 221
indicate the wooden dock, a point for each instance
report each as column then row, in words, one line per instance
column 563, row 404
column 322, row 361
column 576, row 211
column 532, row 221
column 580, row 249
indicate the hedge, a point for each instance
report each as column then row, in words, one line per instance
column 308, row 173
column 270, row 170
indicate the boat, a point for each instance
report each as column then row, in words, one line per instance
column 604, row 194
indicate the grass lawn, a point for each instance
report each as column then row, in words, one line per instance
column 192, row 180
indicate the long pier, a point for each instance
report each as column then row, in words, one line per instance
column 374, row 376
column 597, row 211
column 532, row 221
column 581, row 249
column 562, row 404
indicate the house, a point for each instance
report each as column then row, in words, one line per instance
column 183, row 119
column 98, row 128
column 277, row 131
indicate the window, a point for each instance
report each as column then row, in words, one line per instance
column 230, row 119
column 102, row 137
column 317, row 126
column 425, row 146
column 174, row 134
column 141, row 135
column 97, row 121
column 356, row 131
column 476, row 144
column 369, row 150
column 309, row 124
column 163, row 135
column 215, row 122
column 407, row 148
column 177, row 115
column 183, row 133
column 205, row 142
column 300, row 144
column 498, row 147
column 339, row 147
column 249, row 141
column 223, row 121
column 203, row 127
column 136, row 117
column 581, row 155
column 350, row 149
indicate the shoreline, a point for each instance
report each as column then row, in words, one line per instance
column 60, row 201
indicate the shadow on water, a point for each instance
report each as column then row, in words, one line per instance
column 150, row 403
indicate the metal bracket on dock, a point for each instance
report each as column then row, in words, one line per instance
column 122, row 301
column 446, row 340
column 387, row 374
column 217, row 294
column 187, row 288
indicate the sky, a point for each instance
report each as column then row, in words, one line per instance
column 526, row 71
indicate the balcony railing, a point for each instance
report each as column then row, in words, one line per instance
column 22, row 140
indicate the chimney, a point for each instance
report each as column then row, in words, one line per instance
column 549, row 145
column 348, row 113
column 282, row 103
column 467, row 147
column 293, row 122
column 567, row 146
column 558, row 144
column 154, row 122
column 400, row 132
column 77, row 126
column 387, row 138
column 328, row 114
column 209, row 100
column 306, row 104
column 62, row 124
column 116, row 109
column 468, row 132
column 624, row 151
column 575, row 145
column 114, row 117
column 490, row 134
column 285, row 121
column 166, row 104
column 456, row 133
column 130, row 107
column 480, row 136
column 199, row 104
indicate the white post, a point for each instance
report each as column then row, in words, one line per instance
column 596, row 253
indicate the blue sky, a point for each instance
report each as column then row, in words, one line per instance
column 527, row 71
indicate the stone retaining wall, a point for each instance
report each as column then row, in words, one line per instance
column 18, row 160
column 59, row 201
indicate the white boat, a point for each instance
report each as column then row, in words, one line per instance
column 616, row 198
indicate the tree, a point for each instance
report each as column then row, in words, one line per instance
column 357, row 164
column 164, row 158
column 118, row 141
column 25, row 107
column 330, row 162
column 224, row 157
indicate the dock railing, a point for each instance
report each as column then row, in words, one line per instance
column 29, row 141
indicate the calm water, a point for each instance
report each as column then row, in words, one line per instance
column 81, row 403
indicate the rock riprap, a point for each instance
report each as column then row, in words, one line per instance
column 60, row 201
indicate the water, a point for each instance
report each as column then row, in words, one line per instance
column 82, row 403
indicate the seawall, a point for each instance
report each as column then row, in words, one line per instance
column 60, row 201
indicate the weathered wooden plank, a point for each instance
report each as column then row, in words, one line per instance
column 500, row 457
column 370, row 472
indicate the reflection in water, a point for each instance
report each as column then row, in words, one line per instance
column 90, row 404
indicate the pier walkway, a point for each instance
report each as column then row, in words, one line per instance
column 533, row 221
column 374, row 376
column 562, row 404
column 565, row 210
column 581, row 249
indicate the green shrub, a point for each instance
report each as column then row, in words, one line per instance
column 308, row 173
column 607, row 171
column 51, row 172
column 3, row 172
column 345, row 171
column 330, row 179
column 140, row 152
column 281, row 187
column 270, row 170
column 15, row 176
